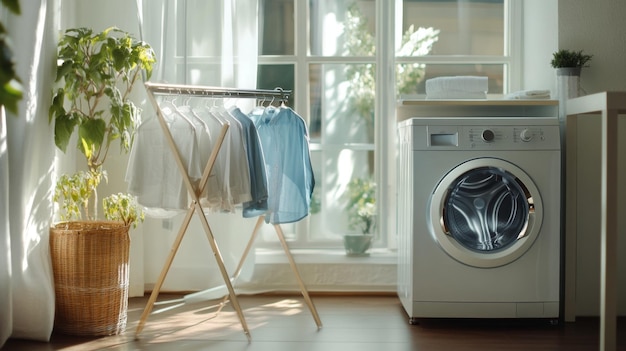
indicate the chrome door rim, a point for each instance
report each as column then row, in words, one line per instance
column 485, row 259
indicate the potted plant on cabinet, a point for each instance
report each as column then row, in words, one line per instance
column 95, row 74
column 574, row 61
column 568, row 65
column 361, row 208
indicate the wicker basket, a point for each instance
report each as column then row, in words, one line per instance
column 91, row 277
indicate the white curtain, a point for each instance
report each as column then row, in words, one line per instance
column 203, row 42
column 26, row 166
column 208, row 43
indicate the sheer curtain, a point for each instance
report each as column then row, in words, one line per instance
column 203, row 42
column 26, row 166
column 208, row 43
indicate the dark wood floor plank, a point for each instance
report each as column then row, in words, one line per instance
column 359, row 323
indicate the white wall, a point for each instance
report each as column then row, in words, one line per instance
column 598, row 28
column 539, row 42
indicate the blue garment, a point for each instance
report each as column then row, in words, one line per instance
column 285, row 142
column 256, row 162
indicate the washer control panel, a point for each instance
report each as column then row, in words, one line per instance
column 493, row 137
column 503, row 135
column 492, row 134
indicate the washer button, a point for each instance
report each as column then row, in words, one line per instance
column 488, row 135
column 526, row 135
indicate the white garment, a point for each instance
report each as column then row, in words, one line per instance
column 211, row 197
column 239, row 169
column 206, row 141
column 153, row 175
column 529, row 94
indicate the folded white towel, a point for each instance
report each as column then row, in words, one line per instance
column 529, row 94
column 473, row 84
column 456, row 94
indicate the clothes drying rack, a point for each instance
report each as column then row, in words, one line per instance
column 155, row 89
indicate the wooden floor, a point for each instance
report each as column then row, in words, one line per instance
column 350, row 323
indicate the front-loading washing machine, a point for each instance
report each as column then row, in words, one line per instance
column 479, row 217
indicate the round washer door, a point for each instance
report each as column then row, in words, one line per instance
column 486, row 212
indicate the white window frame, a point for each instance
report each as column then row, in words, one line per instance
column 385, row 120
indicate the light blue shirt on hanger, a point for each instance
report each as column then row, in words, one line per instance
column 285, row 142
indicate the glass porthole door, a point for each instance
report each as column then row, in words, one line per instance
column 485, row 212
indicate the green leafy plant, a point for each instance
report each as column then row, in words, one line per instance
column 362, row 77
column 124, row 208
column 361, row 206
column 96, row 74
column 569, row 58
column 10, row 86
column 73, row 192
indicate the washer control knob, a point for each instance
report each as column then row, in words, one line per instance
column 488, row 135
column 526, row 135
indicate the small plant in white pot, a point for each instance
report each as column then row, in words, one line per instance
column 570, row 59
column 96, row 73
column 361, row 209
column 568, row 65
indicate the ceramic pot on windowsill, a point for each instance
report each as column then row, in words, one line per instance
column 357, row 244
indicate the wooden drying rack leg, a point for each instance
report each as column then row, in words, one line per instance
column 218, row 257
column 292, row 263
column 166, row 267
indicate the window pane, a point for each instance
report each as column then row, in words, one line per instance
column 495, row 74
column 207, row 74
column 467, row 27
column 192, row 42
column 276, row 27
column 335, row 169
column 342, row 103
column 277, row 76
column 342, row 28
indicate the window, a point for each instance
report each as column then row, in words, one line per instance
column 326, row 51
column 330, row 53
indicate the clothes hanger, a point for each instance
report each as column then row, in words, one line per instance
column 167, row 105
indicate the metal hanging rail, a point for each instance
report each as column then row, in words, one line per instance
column 195, row 207
column 217, row 92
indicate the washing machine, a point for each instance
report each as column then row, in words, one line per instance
column 479, row 217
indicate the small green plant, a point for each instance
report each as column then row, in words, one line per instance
column 124, row 208
column 72, row 193
column 361, row 206
column 570, row 58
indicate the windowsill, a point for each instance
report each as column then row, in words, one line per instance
column 326, row 256
column 324, row 270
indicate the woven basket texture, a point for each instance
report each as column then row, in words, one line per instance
column 91, row 277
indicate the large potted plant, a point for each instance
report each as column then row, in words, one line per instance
column 95, row 76
column 361, row 209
